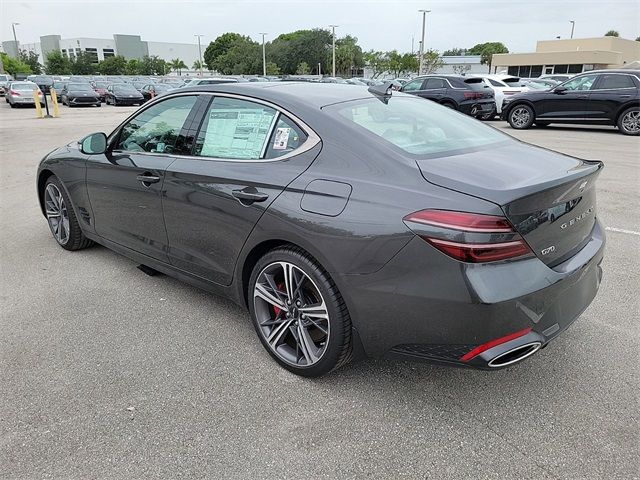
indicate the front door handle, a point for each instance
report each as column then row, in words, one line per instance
column 147, row 179
column 249, row 195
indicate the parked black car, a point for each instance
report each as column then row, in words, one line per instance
column 123, row 94
column 469, row 95
column 349, row 221
column 75, row 94
column 605, row 97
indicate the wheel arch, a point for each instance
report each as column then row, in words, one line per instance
column 624, row 108
column 516, row 103
column 43, row 176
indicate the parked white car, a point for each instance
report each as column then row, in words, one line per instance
column 502, row 86
column 21, row 93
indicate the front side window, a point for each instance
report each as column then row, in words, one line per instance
column 235, row 129
column 156, row 129
column 417, row 127
column 584, row 82
column 413, row 85
column 612, row 81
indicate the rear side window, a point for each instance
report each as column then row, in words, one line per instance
column 496, row 83
column 434, row 83
column 417, row 127
column 612, row 81
column 235, row 129
column 285, row 138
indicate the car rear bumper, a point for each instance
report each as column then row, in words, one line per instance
column 474, row 108
column 23, row 100
column 426, row 306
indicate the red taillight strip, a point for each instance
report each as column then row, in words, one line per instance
column 481, row 252
column 467, row 222
column 493, row 343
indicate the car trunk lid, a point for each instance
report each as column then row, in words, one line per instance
column 548, row 197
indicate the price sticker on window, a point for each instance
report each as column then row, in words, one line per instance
column 282, row 138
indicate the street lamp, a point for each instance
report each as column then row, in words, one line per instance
column 15, row 40
column 264, row 57
column 200, row 52
column 573, row 25
column 424, row 21
column 333, row 34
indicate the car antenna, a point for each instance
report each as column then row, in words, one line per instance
column 384, row 90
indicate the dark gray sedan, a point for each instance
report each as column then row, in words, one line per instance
column 349, row 222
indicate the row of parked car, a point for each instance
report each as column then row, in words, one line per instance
column 606, row 97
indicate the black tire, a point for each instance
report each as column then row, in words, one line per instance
column 337, row 342
column 629, row 121
column 448, row 105
column 13, row 105
column 542, row 124
column 75, row 238
column 521, row 116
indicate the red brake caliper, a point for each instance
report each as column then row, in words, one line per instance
column 277, row 310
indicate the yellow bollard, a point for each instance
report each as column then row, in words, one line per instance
column 36, row 98
column 54, row 100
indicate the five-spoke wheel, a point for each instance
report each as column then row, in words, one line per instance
column 629, row 121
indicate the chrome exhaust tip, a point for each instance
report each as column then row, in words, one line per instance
column 515, row 355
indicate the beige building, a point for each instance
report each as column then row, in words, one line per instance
column 569, row 56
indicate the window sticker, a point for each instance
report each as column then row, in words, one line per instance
column 282, row 138
column 234, row 133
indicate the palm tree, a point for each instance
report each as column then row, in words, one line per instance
column 197, row 65
column 177, row 65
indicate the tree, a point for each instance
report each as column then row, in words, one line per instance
column 57, row 64
column 303, row 69
column 197, row 64
column 31, row 58
column 310, row 46
column 454, row 52
column 243, row 56
column 349, row 56
column 487, row 51
column 219, row 47
column 272, row 69
column 397, row 64
column 461, row 69
column 612, row 33
column 377, row 62
column 132, row 67
column 152, row 65
column 13, row 65
column 177, row 65
column 431, row 62
column 113, row 66
column 83, row 64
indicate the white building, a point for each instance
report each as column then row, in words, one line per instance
column 129, row 46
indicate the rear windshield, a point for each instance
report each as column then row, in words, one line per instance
column 102, row 84
column 24, row 86
column 416, row 126
column 512, row 81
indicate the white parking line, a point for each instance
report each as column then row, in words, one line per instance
column 621, row 230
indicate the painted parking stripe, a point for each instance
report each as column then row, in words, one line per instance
column 622, row 230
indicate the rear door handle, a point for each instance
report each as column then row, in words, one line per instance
column 147, row 179
column 249, row 195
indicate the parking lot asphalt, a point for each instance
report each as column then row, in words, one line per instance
column 106, row 372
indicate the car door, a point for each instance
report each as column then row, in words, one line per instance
column 125, row 185
column 414, row 87
column 245, row 153
column 609, row 94
column 569, row 102
column 434, row 89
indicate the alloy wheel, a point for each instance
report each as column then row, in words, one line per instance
column 631, row 121
column 292, row 315
column 57, row 214
column 520, row 117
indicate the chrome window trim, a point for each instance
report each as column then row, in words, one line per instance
column 313, row 138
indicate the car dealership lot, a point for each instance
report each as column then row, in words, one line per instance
column 109, row 373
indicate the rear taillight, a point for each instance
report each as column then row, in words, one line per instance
column 493, row 343
column 13, row 92
column 509, row 92
column 468, row 237
column 472, row 95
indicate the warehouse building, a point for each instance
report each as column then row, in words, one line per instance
column 129, row 46
column 569, row 56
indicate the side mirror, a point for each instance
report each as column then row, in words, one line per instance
column 560, row 89
column 94, row 144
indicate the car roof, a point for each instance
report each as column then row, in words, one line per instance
column 614, row 70
column 310, row 94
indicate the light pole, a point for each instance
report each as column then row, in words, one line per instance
column 264, row 57
column 333, row 34
column 573, row 25
column 15, row 39
column 424, row 21
column 200, row 53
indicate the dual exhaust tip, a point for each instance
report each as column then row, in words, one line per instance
column 514, row 355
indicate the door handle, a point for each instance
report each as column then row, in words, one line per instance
column 249, row 195
column 147, row 179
